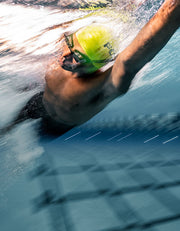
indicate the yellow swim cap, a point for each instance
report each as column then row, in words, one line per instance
column 98, row 43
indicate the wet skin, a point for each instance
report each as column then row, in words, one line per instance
column 73, row 97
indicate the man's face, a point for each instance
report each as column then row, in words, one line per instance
column 73, row 57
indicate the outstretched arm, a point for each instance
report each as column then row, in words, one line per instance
column 149, row 41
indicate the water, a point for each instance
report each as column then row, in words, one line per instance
column 28, row 38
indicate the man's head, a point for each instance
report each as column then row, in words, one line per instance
column 88, row 49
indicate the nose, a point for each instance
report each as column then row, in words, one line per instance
column 66, row 51
column 66, row 55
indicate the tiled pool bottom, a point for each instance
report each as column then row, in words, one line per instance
column 99, row 180
column 111, row 180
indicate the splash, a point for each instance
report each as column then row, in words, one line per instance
column 28, row 40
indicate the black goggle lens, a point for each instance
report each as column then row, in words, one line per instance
column 77, row 55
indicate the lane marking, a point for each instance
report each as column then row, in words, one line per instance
column 154, row 137
column 125, row 136
column 167, row 141
column 114, row 137
column 73, row 136
column 92, row 136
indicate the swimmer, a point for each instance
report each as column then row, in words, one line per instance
column 76, row 86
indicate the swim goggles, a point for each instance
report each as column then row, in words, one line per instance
column 78, row 56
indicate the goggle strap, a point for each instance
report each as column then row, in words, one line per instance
column 70, row 41
column 94, row 61
column 84, row 58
